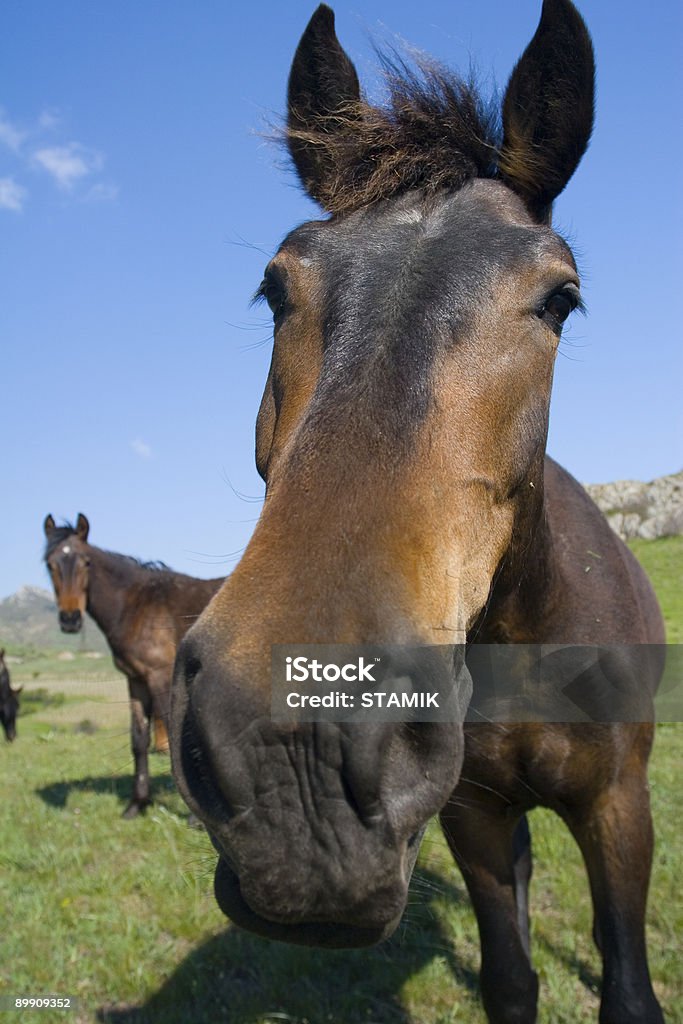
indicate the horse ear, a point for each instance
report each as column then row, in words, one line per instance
column 82, row 527
column 48, row 526
column 548, row 108
column 18, row 690
column 322, row 84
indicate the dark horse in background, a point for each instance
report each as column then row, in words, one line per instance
column 143, row 609
column 9, row 701
column 402, row 438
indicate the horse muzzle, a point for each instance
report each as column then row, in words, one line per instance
column 70, row 622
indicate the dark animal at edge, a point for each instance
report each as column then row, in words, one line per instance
column 402, row 438
column 143, row 609
column 9, row 701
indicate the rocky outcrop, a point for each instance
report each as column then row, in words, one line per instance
column 636, row 509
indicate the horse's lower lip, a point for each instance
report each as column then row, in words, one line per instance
column 71, row 629
column 316, row 933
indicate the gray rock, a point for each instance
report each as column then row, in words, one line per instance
column 637, row 509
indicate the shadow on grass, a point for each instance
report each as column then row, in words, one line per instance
column 56, row 794
column 236, row 978
column 574, row 964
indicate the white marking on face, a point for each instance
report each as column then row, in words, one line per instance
column 66, row 549
column 409, row 216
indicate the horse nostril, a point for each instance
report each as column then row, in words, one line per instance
column 192, row 669
column 70, row 620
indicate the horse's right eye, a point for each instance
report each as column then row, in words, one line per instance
column 273, row 291
column 275, row 297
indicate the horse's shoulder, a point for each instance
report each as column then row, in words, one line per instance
column 595, row 566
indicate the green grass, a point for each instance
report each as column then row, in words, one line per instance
column 120, row 914
column 663, row 562
column 37, row 665
column 40, row 700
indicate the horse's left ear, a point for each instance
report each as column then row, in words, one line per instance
column 548, row 108
column 82, row 527
column 18, row 690
column 323, row 85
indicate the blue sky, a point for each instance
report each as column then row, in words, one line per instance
column 138, row 206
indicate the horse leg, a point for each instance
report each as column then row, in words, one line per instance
column 160, row 688
column 160, row 735
column 140, row 710
column 615, row 837
column 494, row 855
column 522, row 866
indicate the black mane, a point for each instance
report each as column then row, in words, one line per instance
column 62, row 533
column 434, row 133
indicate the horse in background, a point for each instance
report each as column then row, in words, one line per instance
column 9, row 701
column 402, row 438
column 143, row 609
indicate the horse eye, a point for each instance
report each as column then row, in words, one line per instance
column 558, row 306
column 274, row 293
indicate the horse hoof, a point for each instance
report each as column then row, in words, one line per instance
column 134, row 808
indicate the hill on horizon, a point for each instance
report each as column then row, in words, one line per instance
column 28, row 619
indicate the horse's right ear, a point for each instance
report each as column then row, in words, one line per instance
column 48, row 526
column 322, row 85
column 82, row 527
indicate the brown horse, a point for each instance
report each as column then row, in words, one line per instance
column 143, row 609
column 9, row 701
column 402, row 439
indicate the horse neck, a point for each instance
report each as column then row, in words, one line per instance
column 525, row 587
column 111, row 577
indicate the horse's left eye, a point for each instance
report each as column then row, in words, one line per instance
column 558, row 306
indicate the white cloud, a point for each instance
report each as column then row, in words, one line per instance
column 102, row 192
column 10, row 135
column 12, row 195
column 68, row 164
column 49, row 120
column 141, row 448
column 71, row 166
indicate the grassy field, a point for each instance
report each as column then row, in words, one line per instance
column 120, row 914
column 663, row 561
column 31, row 665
